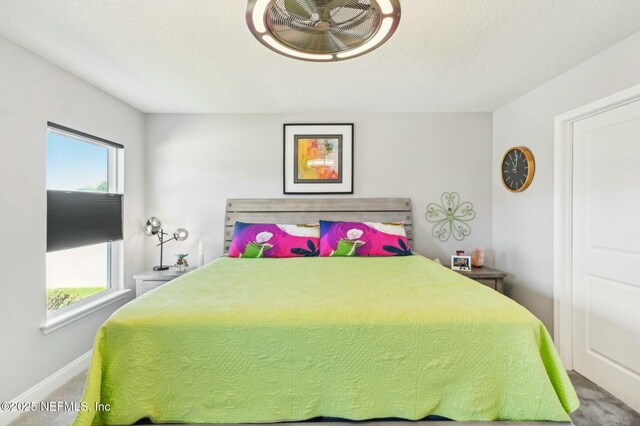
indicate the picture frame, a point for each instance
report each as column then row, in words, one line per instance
column 318, row 158
column 461, row 263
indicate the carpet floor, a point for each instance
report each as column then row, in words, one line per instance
column 597, row 407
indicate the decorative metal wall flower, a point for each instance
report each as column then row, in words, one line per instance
column 451, row 217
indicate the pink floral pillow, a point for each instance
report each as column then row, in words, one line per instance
column 271, row 240
column 363, row 239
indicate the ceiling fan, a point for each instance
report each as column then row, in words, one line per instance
column 323, row 30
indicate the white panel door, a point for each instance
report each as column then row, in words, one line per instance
column 606, row 251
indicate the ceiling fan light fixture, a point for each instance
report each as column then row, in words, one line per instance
column 385, row 6
column 290, row 52
column 385, row 27
column 257, row 15
column 322, row 30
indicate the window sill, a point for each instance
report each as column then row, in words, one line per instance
column 57, row 321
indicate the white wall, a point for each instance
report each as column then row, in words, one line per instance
column 523, row 223
column 196, row 162
column 32, row 92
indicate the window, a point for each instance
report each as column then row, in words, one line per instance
column 84, row 218
column 75, row 274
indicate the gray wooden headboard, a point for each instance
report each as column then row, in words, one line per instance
column 311, row 210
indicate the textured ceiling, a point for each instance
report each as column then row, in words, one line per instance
column 199, row 56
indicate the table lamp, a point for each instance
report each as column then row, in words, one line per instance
column 154, row 227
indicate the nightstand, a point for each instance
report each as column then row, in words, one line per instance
column 147, row 281
column 488, row 276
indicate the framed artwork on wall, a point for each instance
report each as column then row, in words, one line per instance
column 318, row 159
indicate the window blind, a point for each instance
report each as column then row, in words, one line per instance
column 79, row 218
column 74, row 132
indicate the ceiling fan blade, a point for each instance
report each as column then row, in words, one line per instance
column 355, row 27
column 351, row 7
column 321, row 9
column 301, row 8
column 330, row 6
column 358, row 6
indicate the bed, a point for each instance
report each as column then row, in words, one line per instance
column 268, row 340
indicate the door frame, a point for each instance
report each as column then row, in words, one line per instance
column 563, row 215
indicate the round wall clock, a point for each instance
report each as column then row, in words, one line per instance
column 517, row 169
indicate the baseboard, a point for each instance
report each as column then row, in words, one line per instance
column 40, row 391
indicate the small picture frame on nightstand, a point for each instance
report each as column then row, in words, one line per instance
column 461, row 263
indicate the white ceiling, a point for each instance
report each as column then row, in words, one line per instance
column 199, row 56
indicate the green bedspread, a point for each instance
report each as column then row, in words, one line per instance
column 264, row 340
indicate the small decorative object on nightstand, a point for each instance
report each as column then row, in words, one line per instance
column 200, row 255
column 488, row 276
column 477, row 257
column 461, row 263
column 147, row 281
column 182, row 263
